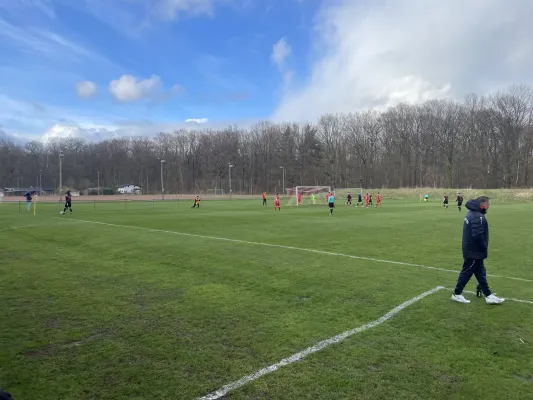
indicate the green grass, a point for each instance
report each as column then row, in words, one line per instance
column 94, row 311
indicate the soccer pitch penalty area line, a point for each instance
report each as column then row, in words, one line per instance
column 317, row 347
column 280, row 246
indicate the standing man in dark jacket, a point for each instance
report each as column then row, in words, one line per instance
column 28, row 201
column 475, row 251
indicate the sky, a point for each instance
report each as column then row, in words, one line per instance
column 105, row 68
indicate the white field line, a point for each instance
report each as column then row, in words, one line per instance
column 10, row 228
column 313, row 349
column 506, row 298
column 280, row 246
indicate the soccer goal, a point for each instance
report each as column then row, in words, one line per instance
column 215, row 192
column 310, row 195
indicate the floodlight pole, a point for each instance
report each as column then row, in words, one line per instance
column 61, row 155
column 283, row 169
column 40, row 180
column 230, row 166
column 162, row 182
column 98, row 180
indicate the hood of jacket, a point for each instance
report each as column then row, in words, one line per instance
column 474, row 205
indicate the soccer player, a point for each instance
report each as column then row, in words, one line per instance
column 359, row 199
column 475, row 250
column 28, row 201
column 378, row 203
column 426, row 197
column 264, row 198
column 299, row 199
column 367, row 199
column 370, row 199
column 196, row 202
column 331, row 203
column 276, row 203
column 327, row 196
column 349, row 202
column 68, row 202
column 313, row 198
column 459, row 200
column 445, row 202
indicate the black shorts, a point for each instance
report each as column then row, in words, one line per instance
column 445, row 201
column 68, row 204
column 331, row 205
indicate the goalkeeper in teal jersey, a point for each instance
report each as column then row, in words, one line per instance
column 331, row 203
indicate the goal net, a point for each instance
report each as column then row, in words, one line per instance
column 309, row 195
column 215, row 192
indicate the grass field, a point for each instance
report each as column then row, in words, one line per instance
column 120, row 306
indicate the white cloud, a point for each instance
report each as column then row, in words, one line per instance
column 376, row 54
column 280, row 51
column 129, row 88
column 171, row 9
column 177, row 89
column 86, row 89
column 197, row 120
column 43, row 6
column 42, row 42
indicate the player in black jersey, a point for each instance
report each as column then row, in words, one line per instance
column 459, row 201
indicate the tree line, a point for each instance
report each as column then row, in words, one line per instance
column 481, row 142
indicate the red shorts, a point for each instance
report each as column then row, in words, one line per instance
column 276, row 204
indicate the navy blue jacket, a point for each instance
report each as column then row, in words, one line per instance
column 28, row 197
column 475, row 232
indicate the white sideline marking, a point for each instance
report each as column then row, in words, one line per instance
column 317, row 347
column 280, row 246
column 506, row 298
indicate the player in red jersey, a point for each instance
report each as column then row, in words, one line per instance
column 378, row 200
column 276, row 203
column 299, row 199
column 367, row 199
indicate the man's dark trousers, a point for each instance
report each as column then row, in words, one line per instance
column 477, row 268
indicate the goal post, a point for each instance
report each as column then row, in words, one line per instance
column 309, row 195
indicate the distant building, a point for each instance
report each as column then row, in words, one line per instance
column 129, row 189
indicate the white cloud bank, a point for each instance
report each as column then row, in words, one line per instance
column 378, row 53
column 197, row 120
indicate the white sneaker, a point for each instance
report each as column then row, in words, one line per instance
column 459, row 298
column 493, row 300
